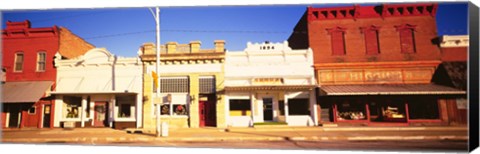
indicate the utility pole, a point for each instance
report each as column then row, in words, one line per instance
column 157, row 65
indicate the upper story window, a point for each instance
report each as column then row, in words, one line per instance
column 407, row 38
column 18, row 66
column 338, row 40
column 372, row 45
column 41, row 59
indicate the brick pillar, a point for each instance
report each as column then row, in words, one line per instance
column 221, row 108
column 148, row 119
column 194, row 90
column 171, row 47
column 442, row 105
column 195, row 46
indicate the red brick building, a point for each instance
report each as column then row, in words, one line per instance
column 28, row 71
column 374, row 64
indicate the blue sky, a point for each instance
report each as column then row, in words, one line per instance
column 123, row 30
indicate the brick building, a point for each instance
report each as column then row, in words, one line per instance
column 191, row 85
column 29, row 72
column 374, row 64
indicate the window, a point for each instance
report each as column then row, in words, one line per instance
column 173, row 85
column 351, row 111
column 126, row 106
column 176, row 107
column 207, row 85
column 423, row 109
column 18, row 62
column 298, row 107
column 407, row 38
column 371, row 40
column 124, row 111
column 32, row 110
column 338, row 40
column 41, row 61
column 71, row 106
column 240, row 107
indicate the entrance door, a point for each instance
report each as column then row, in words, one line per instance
column 267, row 109
column 100, row 117
column 14, row 116
column 202, row 112
column 46, row 115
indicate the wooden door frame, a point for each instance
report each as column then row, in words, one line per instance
column 105, row 103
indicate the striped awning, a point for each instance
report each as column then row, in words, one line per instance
column 279, row 87
column 23, row 92
column 397, row 89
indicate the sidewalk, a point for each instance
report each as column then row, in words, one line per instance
column 58, row 135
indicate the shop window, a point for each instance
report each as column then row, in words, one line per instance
column 41, row 59
column 124, row 111
column 18, row 62
column 71, row 106
column 32, row 110
column 174, row 108
column 126, row 106
column 298, row 107
column 240, row 107
column 426, row 109
column 351, row 111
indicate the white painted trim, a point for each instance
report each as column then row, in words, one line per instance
column 7, row 119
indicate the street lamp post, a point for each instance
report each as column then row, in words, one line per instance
column 157, row 65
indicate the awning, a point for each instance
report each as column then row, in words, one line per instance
column 401, row 89
column 92, row 85
column 279, row 87
column 21, row 92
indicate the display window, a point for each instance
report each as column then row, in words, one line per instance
column 349, row 110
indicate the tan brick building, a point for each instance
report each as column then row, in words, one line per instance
column 191, row 82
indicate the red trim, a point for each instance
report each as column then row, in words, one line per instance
column 368, row 112
column 334, row 112
column 406, row 113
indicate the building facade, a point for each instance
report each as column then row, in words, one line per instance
column 270, row 82
column 29, row 73
column 452, row 72
column 374, row 64
column 98, row 89
column 191, row 85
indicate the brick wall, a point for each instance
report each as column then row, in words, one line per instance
column 71, row 46
column 454, row 54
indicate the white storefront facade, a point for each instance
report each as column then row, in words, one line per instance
column 270, row 83
column 98, row 89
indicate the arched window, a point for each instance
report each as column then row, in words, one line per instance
column 338, row 40
column 372, row 45
column 407, row 38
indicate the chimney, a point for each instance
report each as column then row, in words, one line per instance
column 171, row 47
column 219, row 45
column 195, row 46
column 148, row 49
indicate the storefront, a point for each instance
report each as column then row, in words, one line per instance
column 98, row 89
column 422, row 104
column 270, row 83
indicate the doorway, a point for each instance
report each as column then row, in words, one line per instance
column 100, row 114
column 267, row 109
column 14, row 116
column 46, row 115
column 207, row 112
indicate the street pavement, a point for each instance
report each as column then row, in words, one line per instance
column 108, row 135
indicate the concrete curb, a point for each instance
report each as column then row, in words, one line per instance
column 210, row 139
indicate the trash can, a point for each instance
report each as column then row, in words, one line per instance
column 164, row 129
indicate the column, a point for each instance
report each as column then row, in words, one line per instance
column 285, row 104
column 111, row 109
column 92, row 111
column 83, row 114
column 313, row 106
column 138, row 111
column 58, row 115
column 252, row 106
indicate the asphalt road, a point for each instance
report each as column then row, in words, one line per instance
column 427, row 146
